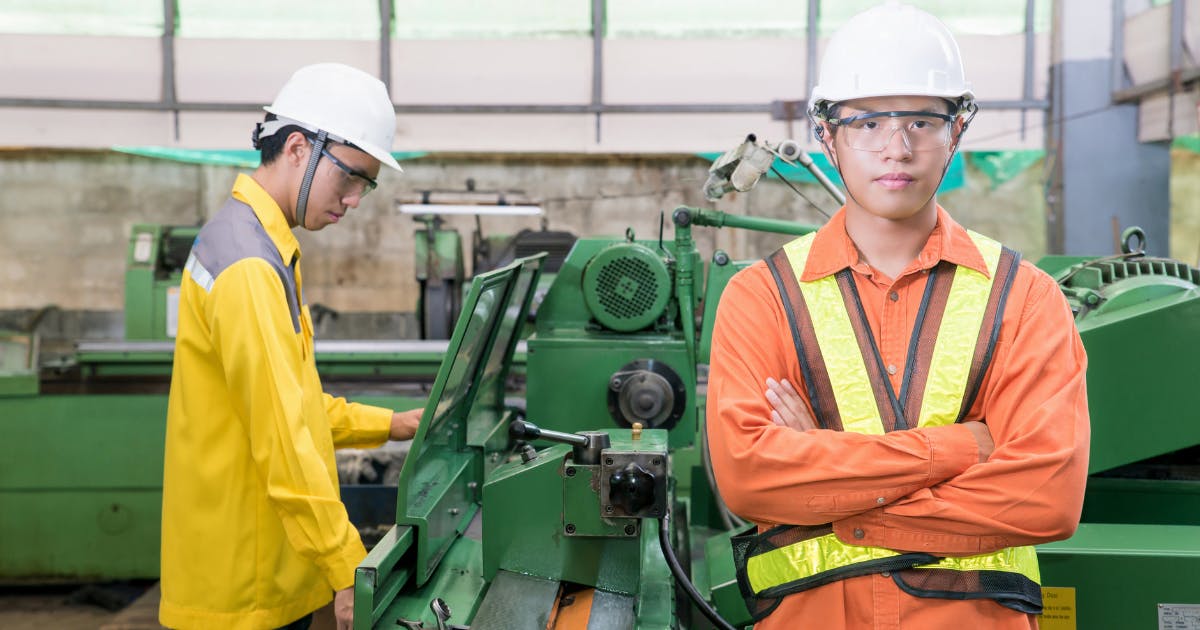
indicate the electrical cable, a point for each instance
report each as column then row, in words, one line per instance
column 664, row 541
column 797, row 191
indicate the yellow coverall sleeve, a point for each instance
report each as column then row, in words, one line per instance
column 356, row 425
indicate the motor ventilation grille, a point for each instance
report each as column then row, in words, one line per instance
column 626, row 287
column 1100, row 273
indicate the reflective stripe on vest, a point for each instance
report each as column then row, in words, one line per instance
column 826, row 553
column 847, row 370
column 849, row 390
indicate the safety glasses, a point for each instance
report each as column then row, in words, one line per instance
column 353, row 181
column 873, row 131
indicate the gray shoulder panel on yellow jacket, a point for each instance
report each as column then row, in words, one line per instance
column 232, row 235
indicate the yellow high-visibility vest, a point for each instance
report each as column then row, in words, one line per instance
column 852, row 392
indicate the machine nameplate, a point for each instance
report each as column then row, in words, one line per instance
column 1179, row 617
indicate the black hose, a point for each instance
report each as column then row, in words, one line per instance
column 664, row 540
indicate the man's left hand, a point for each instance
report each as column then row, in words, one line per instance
column 787, row 408
column 404, row 424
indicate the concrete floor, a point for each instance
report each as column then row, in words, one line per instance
column 81, row 607
column 50, row 607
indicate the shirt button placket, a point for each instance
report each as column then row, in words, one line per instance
column 893, row 330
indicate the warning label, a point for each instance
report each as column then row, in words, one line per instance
column 1058, row 608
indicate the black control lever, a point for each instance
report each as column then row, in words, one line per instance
column 587, row 445
column 523, row 430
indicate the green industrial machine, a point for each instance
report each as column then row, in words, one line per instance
column 1133, row 562
column 439, row 260
column 153, row 271
column 18, row 363
column 439, row 269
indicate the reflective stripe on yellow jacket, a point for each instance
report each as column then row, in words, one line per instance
column 788, row 559
column 254, row 534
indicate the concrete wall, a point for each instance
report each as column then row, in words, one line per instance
column 65, row 217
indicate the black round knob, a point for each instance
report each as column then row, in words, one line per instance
column 631, row 488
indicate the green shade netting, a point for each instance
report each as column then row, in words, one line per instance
column 237, row 158
column 1002, row 166
column 954, row 175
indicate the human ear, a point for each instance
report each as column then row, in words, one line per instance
column 296, row 148
column 824, row 133
column 956, row 131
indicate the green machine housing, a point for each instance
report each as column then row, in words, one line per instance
column 492, row 529
column 610, row 348
column 153, row 270
column 1133, row 561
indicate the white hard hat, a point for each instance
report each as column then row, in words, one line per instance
column 890, row 50
column 346, row 103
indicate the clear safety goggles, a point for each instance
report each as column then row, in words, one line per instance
column 351, row 181
column 873, row 131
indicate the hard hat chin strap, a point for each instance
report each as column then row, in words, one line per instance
column 302, row 200
column 971, row 109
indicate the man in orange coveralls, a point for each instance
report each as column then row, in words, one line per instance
column 897, row 402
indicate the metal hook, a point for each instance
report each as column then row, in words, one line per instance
column 1129, row 236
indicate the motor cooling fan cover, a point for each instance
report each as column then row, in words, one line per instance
column 626, row 286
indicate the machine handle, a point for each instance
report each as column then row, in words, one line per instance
column 521, row 429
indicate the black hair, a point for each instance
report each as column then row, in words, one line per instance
column 271, row 146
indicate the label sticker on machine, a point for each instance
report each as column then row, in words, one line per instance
column 1058, row 608
column 172, row 311
column 142, row 247
column 1179, row 617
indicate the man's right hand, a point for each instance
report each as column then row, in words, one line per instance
column 983, row 437
column 343, row 608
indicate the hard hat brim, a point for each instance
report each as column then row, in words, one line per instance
column 382, row 155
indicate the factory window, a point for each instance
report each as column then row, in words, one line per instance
column 123, row 18
column 995, row 17
column 278, row 19
column 706, row 18
column 484, row 19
